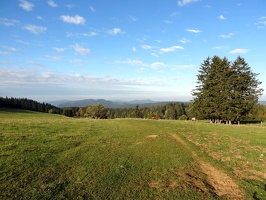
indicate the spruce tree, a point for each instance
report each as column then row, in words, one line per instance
column 226, row 90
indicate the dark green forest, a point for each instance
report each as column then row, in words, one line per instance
column 168, row 111
column 28, row 104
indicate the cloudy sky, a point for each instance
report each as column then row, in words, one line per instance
column 121, row 49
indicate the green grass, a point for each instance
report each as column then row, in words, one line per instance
column 44, row 156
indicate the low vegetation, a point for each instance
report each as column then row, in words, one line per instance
column 44, row 156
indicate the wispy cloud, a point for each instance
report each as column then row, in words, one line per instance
column 133, row 18
column 48, row 79
column 4, row 53
column 91, row 34
column 70, row 6
column 193, row 30
column 81, row 50
column 35, row 29
column 39, row 17
column 92, row 9
column 60, row 50
column 220, row 47
column 73, row 19
column 134, row 49
column 170, row 49
column 185, row 2
column 229, row 35
column 147, row 47
column 261, row 22
column 9, row 48
column 25, row 5
column 221, row 17
column 55, row 58
column 157, row 65
column 115, row 31
column 184, row 40
column 131, row 62
column 52, row 3
column 239, row 51
column 8, row 22
column 23, row 42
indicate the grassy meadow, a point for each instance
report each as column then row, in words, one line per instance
column 45, row 156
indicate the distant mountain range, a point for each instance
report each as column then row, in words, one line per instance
column 113, row 104
column 262, row 102
column 107, row 103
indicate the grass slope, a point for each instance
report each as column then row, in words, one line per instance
column 45, row 156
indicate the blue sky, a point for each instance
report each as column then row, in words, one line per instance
column 126, row 50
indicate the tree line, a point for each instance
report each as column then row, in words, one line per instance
column 171, row 110
column 28, row 104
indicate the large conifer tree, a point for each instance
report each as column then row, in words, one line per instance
column 225, row 90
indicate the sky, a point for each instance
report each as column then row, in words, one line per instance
column 122, row 49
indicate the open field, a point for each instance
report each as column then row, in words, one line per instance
column 44, row 156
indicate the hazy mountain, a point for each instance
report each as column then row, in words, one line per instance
column 58, row 102
column 262, row 102
column 107, row 103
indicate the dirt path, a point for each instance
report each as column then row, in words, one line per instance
column 220, row 182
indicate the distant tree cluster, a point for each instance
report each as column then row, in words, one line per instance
column 226, row 91
column 28, row 104
column 98, row 111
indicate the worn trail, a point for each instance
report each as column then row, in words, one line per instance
column 220, row 182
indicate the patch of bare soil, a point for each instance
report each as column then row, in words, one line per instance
column 152, row 136
column 220, row 183
column 235, row 154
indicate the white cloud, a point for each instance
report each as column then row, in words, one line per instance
column 23, row 42
column 134, row 49
column 147, row 47
column 81, row 50
column 91, row 34
column 229, row 35
column 34, row 79
column 35, row 29
column 134, row 62
column 221, row 17
column 170, row 49
column 8, row 22
column 193, row 30
column 52, row 3
column 239, row 51
column 185, row 2
column 92, row 9
column 261, row 22
column 157, row 65
column 39, row 17
column 25, row 5
column 184, row 40
column 55, row 58
column 9, row 48
column 4, row 53
column 133, row 18
column 70, row 6
column 115, row 31
column 221, row 47
column 78, row 61
column 73, row 19
column 60, row 50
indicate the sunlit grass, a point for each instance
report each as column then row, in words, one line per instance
column 44, row 156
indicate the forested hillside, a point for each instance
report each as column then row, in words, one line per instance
column 28, row 104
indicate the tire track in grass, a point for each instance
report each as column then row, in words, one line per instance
column 220, row 182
